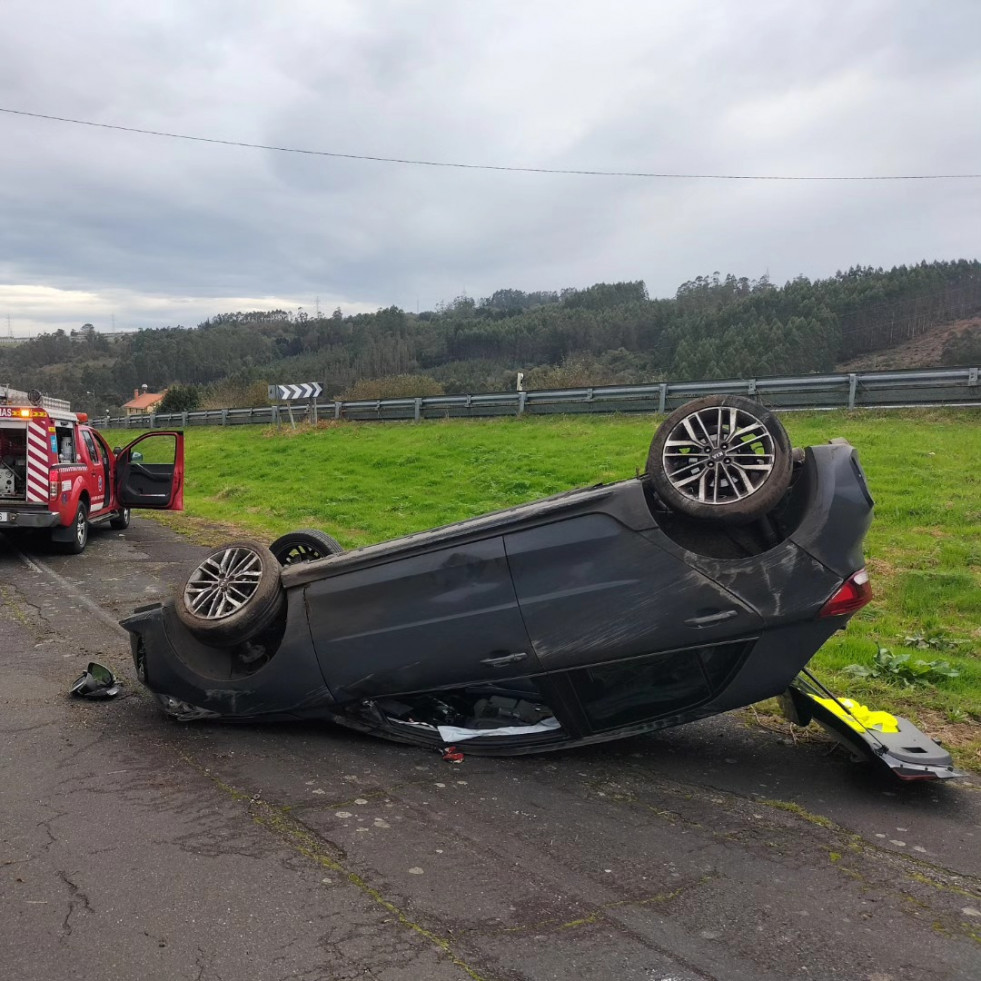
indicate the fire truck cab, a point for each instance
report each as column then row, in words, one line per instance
column 58, row 474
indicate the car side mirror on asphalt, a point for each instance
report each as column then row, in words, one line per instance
column 96, row 681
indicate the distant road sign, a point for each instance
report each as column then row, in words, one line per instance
column 288, row 393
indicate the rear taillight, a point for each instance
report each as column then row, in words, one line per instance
column 852, row 595
column 53, row 484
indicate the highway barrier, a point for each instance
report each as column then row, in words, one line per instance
column 855, row 390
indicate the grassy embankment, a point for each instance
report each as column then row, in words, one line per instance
column 364, row 483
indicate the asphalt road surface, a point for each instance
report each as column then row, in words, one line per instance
column 132, row 846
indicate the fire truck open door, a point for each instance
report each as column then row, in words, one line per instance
column 150, row 472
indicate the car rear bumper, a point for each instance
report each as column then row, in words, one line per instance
column 879, row 737
column 12, row 518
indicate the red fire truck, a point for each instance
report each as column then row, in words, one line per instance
column 58, row 474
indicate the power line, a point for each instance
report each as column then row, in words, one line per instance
column 473, row 166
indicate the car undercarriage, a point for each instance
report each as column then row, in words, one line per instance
column 705, row 584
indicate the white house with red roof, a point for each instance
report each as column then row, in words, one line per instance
column 143, row 403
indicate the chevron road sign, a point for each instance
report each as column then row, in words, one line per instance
column 288, row 393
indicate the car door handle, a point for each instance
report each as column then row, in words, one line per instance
column 711, row 618
column 504, row 659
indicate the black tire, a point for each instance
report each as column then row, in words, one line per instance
column 120, row 521
column 697, row 471
column 304, row 546
column 80, row 531
column 233, row 595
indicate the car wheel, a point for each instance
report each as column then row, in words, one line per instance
column 721, row 458
column 121, row 519
column 304, row 546
column 80, row 531
column 234, row 594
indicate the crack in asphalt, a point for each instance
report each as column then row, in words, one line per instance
column 75, row 893
column 18, row 608
column 72, row 591
column 45, row 826
column 597, row 915
column 19, row 730
column 10, row 611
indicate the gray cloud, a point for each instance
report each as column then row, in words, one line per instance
column 155, row 231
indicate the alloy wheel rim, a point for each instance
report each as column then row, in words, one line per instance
column 301, row 553
column 223, row 583
column 718, row 455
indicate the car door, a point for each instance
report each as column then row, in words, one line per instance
column 94, row 456
column 633, row 631
column 591, row 589
column 441, row 618
column 149, row 472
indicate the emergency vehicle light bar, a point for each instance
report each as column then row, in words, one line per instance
column 28, row 414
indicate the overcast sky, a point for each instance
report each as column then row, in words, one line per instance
column 103, row 226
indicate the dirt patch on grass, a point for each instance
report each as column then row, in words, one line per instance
column 921, row 352
column 286, row 431
column 881, row 568
column 953, row 735
column 201, row 531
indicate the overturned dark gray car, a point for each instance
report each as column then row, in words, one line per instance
column 703, row 585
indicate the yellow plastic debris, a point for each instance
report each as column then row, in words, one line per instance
column 859, row 717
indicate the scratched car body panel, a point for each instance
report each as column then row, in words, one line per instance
column 591, row 615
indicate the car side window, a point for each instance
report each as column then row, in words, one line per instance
column 643, row 688
column 92, row 446
column 159, row 451
column 103, row 445
column 66, row 445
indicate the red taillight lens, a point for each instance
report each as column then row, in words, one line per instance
column 853, row 594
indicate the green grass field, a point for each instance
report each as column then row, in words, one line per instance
column 366, row 482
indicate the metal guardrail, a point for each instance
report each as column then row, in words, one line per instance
column 940, row 386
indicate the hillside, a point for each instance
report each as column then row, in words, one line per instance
column 605, row 334
column 928, row 350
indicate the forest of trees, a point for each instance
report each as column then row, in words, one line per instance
column 714, row 327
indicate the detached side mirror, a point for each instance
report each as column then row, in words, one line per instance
column 96, row 681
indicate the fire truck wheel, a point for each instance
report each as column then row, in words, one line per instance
column 304, row 546
column 234, row 594
column 121, row 520
column 80, row 531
